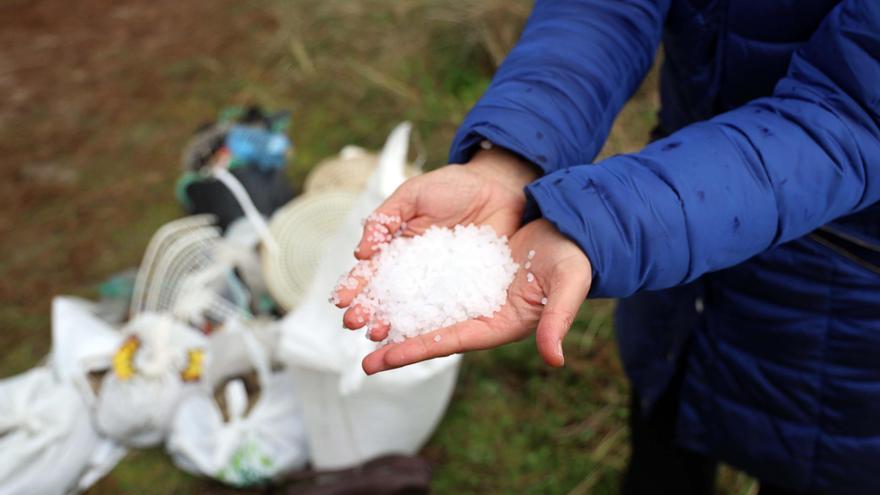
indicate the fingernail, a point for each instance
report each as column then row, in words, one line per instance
column 559, row 350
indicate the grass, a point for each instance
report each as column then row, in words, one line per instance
column 150, row 73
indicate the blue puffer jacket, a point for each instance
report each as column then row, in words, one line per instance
column 775, row 108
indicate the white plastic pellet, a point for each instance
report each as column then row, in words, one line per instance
column 530, row 277
column 442, row 277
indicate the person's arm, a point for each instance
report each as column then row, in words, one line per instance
column 550, row 105
column 554, row 98
column 719, row 192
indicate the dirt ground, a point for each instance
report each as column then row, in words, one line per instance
column 96, row 100
column 88, row 94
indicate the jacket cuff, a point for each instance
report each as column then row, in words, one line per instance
column 516, row 131
column 589, row 205
column 541, row 203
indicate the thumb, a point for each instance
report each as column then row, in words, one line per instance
column 566, row 292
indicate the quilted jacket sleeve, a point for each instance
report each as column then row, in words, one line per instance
column 554, row 98
column 721, row 191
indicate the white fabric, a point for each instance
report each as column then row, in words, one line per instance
column 47, row 443
column 349, row 417
column 254, row 446
column 146, row 384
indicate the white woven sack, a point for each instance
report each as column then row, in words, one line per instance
column 301, row 228
column 253, row 446
column 349, row 417
column 350, row 170
column 347, row 171
column 158, row 363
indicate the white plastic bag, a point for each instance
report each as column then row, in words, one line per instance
column 349, row 417
column 253, row 446
column 157, row 364
column 83, row 343
column 48, row 445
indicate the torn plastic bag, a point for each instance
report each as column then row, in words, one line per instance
column 158, row 363
column 258, row 436
column 349, row 417
column 48, row 445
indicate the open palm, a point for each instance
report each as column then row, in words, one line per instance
column 487, row 191
column 558, row 275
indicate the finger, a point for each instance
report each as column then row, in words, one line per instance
column 379, row 229
column 347, row 291
column 378, row 331
column 566, row 292
column 349, row 286
column 374, row 362
column 381, row 226
column 465, row 336
column 355, row 317
column 345, row 294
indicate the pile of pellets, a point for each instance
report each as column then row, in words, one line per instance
column 441, row 277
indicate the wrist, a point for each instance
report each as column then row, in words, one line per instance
column 504, row 167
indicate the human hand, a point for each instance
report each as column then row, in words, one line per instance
column 488, row 190
column 559, row 275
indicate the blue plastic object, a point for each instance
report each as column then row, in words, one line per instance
column 261, row 147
